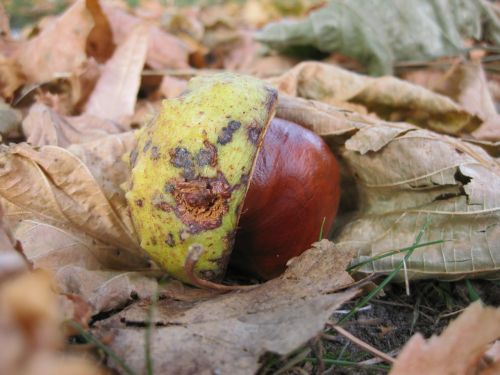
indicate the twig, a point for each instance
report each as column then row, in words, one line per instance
column 362, row 344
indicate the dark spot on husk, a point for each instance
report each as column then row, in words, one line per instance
column 271, row 97
column 153, row 241
column 182, row 158
column 168, row 188
column 155, row 154
column 133, row 158
column 164, row 206
column 202, row 202
column 147, row 146
column 207, row 155
column 253, row 134
column 170, row 240
column 139, row 202
column 226, row 134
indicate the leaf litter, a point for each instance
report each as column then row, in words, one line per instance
column 62, row 193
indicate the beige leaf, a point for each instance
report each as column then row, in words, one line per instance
column 54, row 187
column 43, row 126
column 458, row 350
column 389, row 97
column 171, row 87
column 402, row 177
column 164, row 50
column 11, row 261
column 229, row 333
column 60, row 47
column 106, row 290
column 115, row 94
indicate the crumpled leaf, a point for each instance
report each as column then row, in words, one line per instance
column 61, row 46
column 403, row 176
column 71, row 192
column 43, row 126
column 389, row 97
column 466, row 83
column 458, row 350
column 379, row 33
column 164, row 50
column 115, row 94
column 106, row 290
column 229, row 333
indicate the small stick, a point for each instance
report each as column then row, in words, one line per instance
column 194, row 253
column 363, row 344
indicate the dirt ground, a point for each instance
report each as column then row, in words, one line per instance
column 386, row 323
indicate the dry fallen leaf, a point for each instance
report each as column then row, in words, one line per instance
column 390, row 98
column 402, row 177
column 11, row 260
column 229, row 333
column 115, row 94
column 61, row 46
column 42, row 126
column 55, row 192
column 164, row 50
column 458, row 350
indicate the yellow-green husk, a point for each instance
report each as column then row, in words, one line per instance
column 191, row 169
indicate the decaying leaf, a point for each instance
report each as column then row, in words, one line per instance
column 389, row 97
column 229, row 333
column 61, row 46
column 403, row 177
column 164, row 50
column 458, row 350
column 43, row 126
column 379, row 32
column 115, row 94
column 55, row 188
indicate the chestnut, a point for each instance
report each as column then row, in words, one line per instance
column 293, row 196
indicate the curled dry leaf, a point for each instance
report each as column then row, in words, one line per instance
column 458, row 350
column 73, row 196
column 389, row 97
column 115, row 94
column 229, row 333
column 61, row 46
column 164, row 50
column 403, row 177
column 43, row 126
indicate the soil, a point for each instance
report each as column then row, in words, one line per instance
column 386, row 323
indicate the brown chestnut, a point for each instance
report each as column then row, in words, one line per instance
column 294, row 193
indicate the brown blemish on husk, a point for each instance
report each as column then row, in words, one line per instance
column 201, row 202
column 147, row 146
column 155, row 153
column 133, row 158
column 170, row 241
column 253, row 134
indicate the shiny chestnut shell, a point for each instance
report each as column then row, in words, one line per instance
column 295, row 186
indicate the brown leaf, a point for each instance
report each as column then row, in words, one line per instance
column 115, row 94
column 230, row 333
column 44, row 127
column 106, row 290
column 74, row 192
column 164, row 50
column 100, row 39
column 458, row 350
column 11, row 77
column 389, row 97
column 10, row 121
column 60, row 47
column 399, row 177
